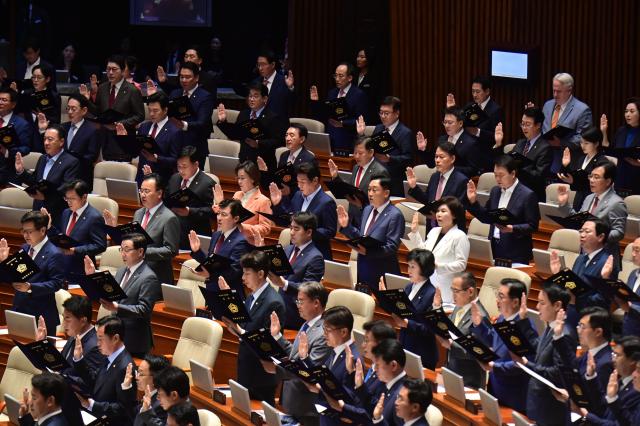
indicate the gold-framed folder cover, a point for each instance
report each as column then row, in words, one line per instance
column 18, row 267
column 102, row 285
column 278, row 260
column 43, row 354
column 395, row 302
column 263, row 344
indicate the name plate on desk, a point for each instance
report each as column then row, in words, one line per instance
column 219, row 397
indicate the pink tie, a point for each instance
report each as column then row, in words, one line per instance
column 341, row 93
column 145, row 222
column 440, row 188
column 594, row 205
column 185, row 182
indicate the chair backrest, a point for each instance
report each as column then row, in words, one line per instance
column 17, row 375
column 199, row 340
column 508, row 148
column 110, row 260
column 478, row 228
column 64, row 101
column 215, row 178
column 224, row 147
column 61, row 296
column 16, row 198
column 434, row 416
column 111, row 169
column 633, row 205
column 491, row 284
column 486, row 181
column 188, row 279
column 285, row 237
column 627, row 263
column 30, row 160
column 408, row 213
column 360, row 304
column 611, row 159
column 566, row 242
column 279, row 151
column 207, row 418
column 368, row 131
column 102, row 203
column 311, row 124
column 551, row 192
column 423, row 173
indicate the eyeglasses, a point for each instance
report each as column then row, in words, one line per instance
column 113, row 69
column 595, row 177
column 72, row 198
column 384, row 113
column 448, row 122
column 254, row 96
column 300, row 301
column 525, row 125
column 37, row 77
column 125, row 249
column 72, row 108
column 459, row 290
column 582, row 326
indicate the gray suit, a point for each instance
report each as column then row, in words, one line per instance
column 164, row 230
column 576, row 115
column 375, row 168
column 296, row 398
column 143, row 290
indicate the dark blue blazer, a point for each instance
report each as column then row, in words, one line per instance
column 233, row 248
column 343, row 137
column 627, row 176
column 89, row 231
column 168, row 140
column 90, row 350
column 280, row 97
column 488, row 127
column 324, row 207
column 604, row 363
column 588, row 272
column 42, row 300
column 309, row 266
column 305, row 156
column 417, row 337
column 631, row 321
column 26, row 137
column 456, row 186
column 57, row 420
column 518, row 244
column 85, row 146
column 200, row 125
column 362, row 413
column 400, row 157
column 623, row 411
column 472, row 157
column 388, row 228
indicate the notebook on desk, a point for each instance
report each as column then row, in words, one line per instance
column 318, row 143
column 395, row 282
column 21, row 325
column 413, row 365
column 338, row 273
column 126, row 190
column 490, row 407
column 201, row 376
column 178, row 298
column 13, row 409
column 240, row 397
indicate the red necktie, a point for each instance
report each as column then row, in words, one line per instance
column 440, row 188
column 219, row 244
column 294, row 256
column 594, row 205
column 373, row 220
column 185, row 183
column 112, row 96
column 358, row 177
column 145, row 221
column 154, row 130
column 253, row 115
column 72, row 223
column 1, row 123
column 527, row 147
column 341, row 93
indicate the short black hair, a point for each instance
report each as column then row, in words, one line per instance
column 191, row 66
column 310, row 170
column 598, row 318
column 610, row 169
column 419, row 393
column 456, row 208
column 50, row 384
column 366, row 140
column 79, row 186
column 390, row 350
column 535, row 113
column 380, row 330
column 160, row 98
column 118, row 60
column 112, row 325
column 189, row 152
column 630, row 345
column 483, row 81
column 425, row 260
column 131, row 62
column 184, row 414
column 507, row 162
column 269, row 55
column 447, row 147
column 256, row 260
column 456, row 112
column 385, row 181
column 303, row 132
column 138, row 240
column 251, row 169
column 79, row 307
column 13, row 95
column 556, row 293
column 602, row 228
column 84, row 103
column 62, row 133
column 40, row 220
column 306, row 220
column 160, row 185
column 235, row 207
column 259, row 87
column 593, row 135
column 393, row 102
column 172, row 379
column 516, row 287
column 157, row 363
column 47, row 71
column 468, row 280
column 315, row 291
column 339, row 317
column 31, row 42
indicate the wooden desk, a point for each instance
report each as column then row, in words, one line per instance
column 227, row 413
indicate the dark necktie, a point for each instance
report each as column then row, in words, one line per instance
column 373, row 220
column 218, row 245
column 185, row 183
column 72, row 223
column 154, row 130
column 125, row 278
column 594, row 205
column 248, row 302
column 253, row 115
column 527, row 147
column 112, row 96
column 294, row 255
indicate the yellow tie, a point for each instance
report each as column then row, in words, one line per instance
column 458, row 317
column 555, row 117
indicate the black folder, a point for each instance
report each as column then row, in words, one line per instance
column 254, row 129
column 611, row 288
column 18, row 267
column 278, row 260
column 574, row 384
column 78, row 386
column 214, row 263
column 366, row 241
column 63, row 241
column 521, row 159
column 575, row 221
column 133, row 144
column 182, row 198
column 43, row 101
column 117, row 232
column 337, row 108
column 342, row 189
column 298, row 369
column 110, row 116
column 513, row 338
column 502, row 216
column 43, row 354
column 382, row 143
column 395, row 302
column 102, row 285
column 330, row 384
column 580, row 179
column 558, row 131
column 181, row 108
column 285, row 175
column 476, row 348
column 43, row 186
column 263, row 344
column 283, row 220
column 8, row 136
column 570, row 281
column 474, row 115
column 631, row 152
column 226, row 303
column 440, row 323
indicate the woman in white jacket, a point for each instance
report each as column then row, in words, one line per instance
column 448, row 243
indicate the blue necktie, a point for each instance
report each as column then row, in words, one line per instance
column 304, row 328
column 71, row 134
column 248, row 302
column 370, row 374
column 47, row 167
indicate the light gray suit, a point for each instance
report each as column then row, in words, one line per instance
column 577, row 116
column 143, row 290
column 296, row 398
column 164, row 230
column 375, row 168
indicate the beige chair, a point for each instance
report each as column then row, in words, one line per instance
column 279, row 151
column 30, row 160
column 101, row 204
column 16, row 198
column 551, row 192
column 64, row 100
column 285, row 237
column 478, row 228
column 486, row 181
column 423, row 173
column 61, row 296
column 434, row 416
column 232, row 116
column 215, row 178
column 491, row 284
column 188, row 279
column 408, row 218
column 207, row 418
column 508, row 148
column 17, row 375
column 224, row 147
column 360, row 304
column 611, row 159
column 627, row 263
column 199, row 340
column 368, row 131
column 567, row 243
column 111, row 260
column 311, row 124
column 113, row 170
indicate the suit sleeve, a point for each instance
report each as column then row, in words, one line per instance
column 170, row 241
column 420, row 195
column 97, row 241
column 25, row 139
column 359, row 108
column 329, row 220
column 531, row 217
column 168, row 162
column 395, row 231
column 72, row 172
column 584, row 121
column 618, row 220
column 202, row 123
column 206, row 199
column 405, row 145
column 313, row 272
column 124, row 405
column 277, row 128
column 149, row 418
column 540, row 169
column 136, row 110
column 149, row 293
column 480, row 211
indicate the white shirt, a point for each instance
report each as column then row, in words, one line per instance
column 345, row 90
column 597, row 349
column 625, row 382
column 393, row 126
column 308, row 199
column 152, row 211
column 593, row 254
column 586, row 161
column 454, row 139
column 393, row 381
column 269, row 81
column 257, row 293
column 114, row 355
column 293, row 155
column 78, row 214
column 338, row 350
column 77, row 126
column 81, row 336
column 563, row 107
column 505, row 197
column 483, row 105
column 160, row 126
column 133, row 268
column 44, row 418
column 370, row 218
column 227, row 233
column 410, row 422
column 37, row 247
column 190, row 92
column 28, row 72
column 415, row 289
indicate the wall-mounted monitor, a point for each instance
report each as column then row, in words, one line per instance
column 510, row 64
column 178, row 13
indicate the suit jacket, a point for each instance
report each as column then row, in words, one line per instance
column 472, row 157
column 169, row 144
column 57, row 420
column 518, row 244
column 339, row 370
column 388, row 228
column 581, row 187
column 280, row 97
column 41, row 299
column 375, row 168
column 85, row 145
column 627, row 176
column 308, row 266
column 456, row 186
column 90, row 350
column 495, row 115
column 21, row 68
column 91, row 235
column 363, row 414
column 26, row 137
column 27, row 105
column 623, row 411
column 304, row 156
column 399, row 158
column 207, row 81
column 199, row 126
column 534, row 175
column 631, row 320
column 164, row 230
column 257, row 203
column 65, row 169
column 143, row 291
column 417, row 337
column 233, row 247
column 110, row 399
column 200, row 213
column 576, row 116
column 342, row 137
column 154, row 416
column 324, row 207
column 604, row 364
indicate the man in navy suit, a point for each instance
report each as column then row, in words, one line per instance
column 397, row 160
column 24, row 130
column 311, row 198
column 227, row 242
column 56, row 167
column 173, row 388
column 306, row 261
column 342, row 132
column 413, row 400
column 280, row 87
column 631, row 320
column 45, row 402
column 37, row 296
column 207, row 80
column 31, row 54
column 514, row 241
column 76, row 320
column 273, row 125
column 149, row 411
column 381, row 221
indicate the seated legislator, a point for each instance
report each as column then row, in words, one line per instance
column 507, row 382
column 533, row 147
column 83, row 223
column 56, row 168
column 472, row 158
column 172, row 384
column 631, row 319
column 341, row 131
column 105, row 384
column 183, row 414
column 280, row 86
column 76, row 320
column 365, row 168
column 413, row 400
column 626, row 136
column 311, row 198
column 44, row 403
column 43, row 84
column 149, row 411
column 197, row 214
column 270, row 127
column 24, row 132
column 381, row 221
column 375, row 331
column 514, row 241
column 448, row 243
column 465, row 297
column 118, row 95
column 142, row 288
column 37, row 297
column 399, row 158
column 306, row 261
column 260, row 303
column 227, row 242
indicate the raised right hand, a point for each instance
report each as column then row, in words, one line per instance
column 275, row 194
column 218, row 193
column 4, row 249
column 43, row 123
column 563, row 194
column 381, row 285
column 333, row 169
column 77, row 349
column 566, row 157
column 554, row 262
column 93, row 83
column 25, row 403
column 151, row 87
column 89, row 267
column 499, row 134
column 612, row 386
column 128, row 376
column 313, row 93
column 607, row 268
column 109, row 218
column 19, row 164
column 411, row 177
column 559, row 324
column 451, row 100
column 476, row 315
column 348, row 359
column 415, row 222
column 343, row 216
column 84, row 91
column 522, row 310
column 421, row 141
column 222, row 112
column 604, row 123
column 194, row 241
column 222, row 283
column 359, row 376
column 262, row 166
column 437, row 298
column 274, row 326
column 472, row 193
column 360, row 126
column 162, row 76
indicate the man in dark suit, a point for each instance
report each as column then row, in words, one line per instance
column 280, row 87
column 413, row 400
column 227, row 241
column 56, row 167
column 254, row 145
column 107, row 396
column 119, row 95
column 31, row 55
column 76, row 320
column 142, row 288
column 397, row 160
column 631, row 320
column 536, row 149
column 197, row 214
column 375, row 331
column 84, row 224
column 366, row 166
column 24, row 131
column 514, row 241
column 149, row 411
column 37, row 296
column 382, row 221
column 311, row 198
column 342, row 132
column 307, row 264
column 260, row 303
column 45, row 402
column 206, row 79
column 173, row 389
